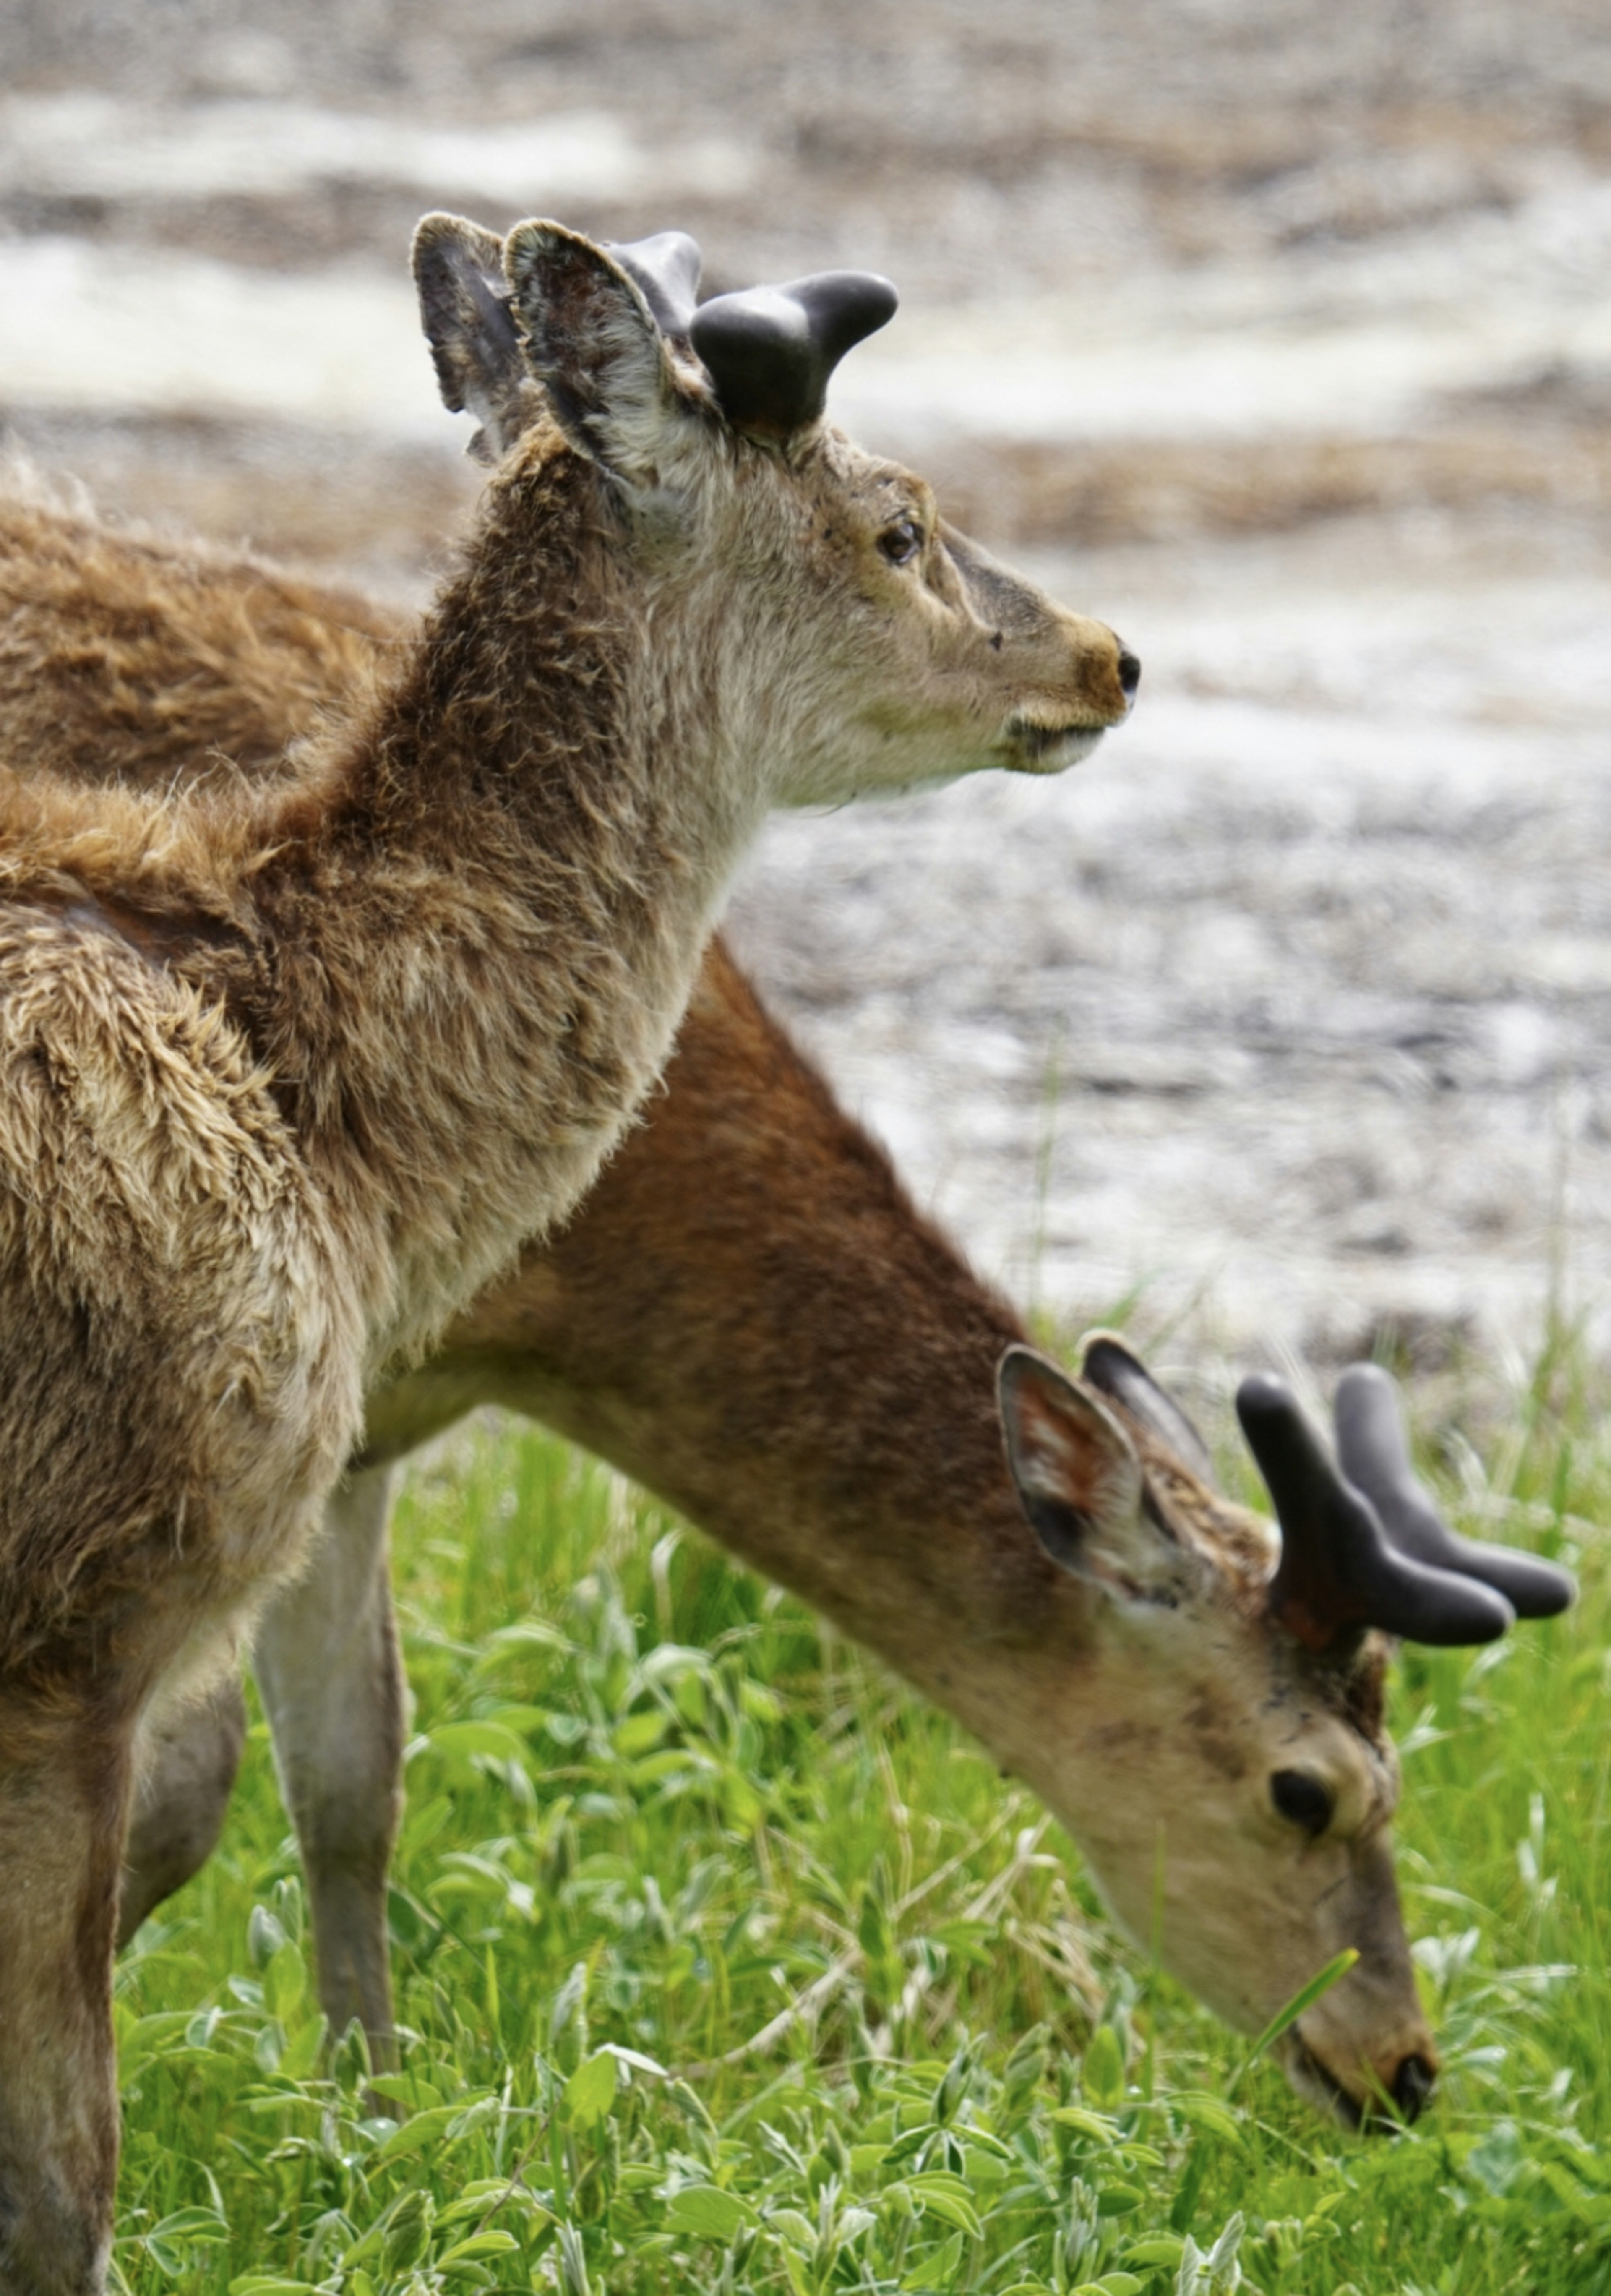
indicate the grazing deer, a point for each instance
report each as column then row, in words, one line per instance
column 290, row 1069
column 748, row 1315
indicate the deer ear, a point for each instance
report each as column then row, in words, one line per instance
column 1080, row 1483
column 1107, row 1364
column 465, row 310
column 591, row 339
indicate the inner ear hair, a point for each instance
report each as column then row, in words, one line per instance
column 1082, row 1486
column 475, row 348
column 1065, row 1447
column 590, row 337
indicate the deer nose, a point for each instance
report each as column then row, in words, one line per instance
column 1130, row 671
column 1412, row 2084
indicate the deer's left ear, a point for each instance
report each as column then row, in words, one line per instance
column 464, row 308
column 591, row 339
column 1080, row 1484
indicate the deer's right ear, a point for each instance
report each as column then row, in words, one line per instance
column 465, row 310
column 591, row 340
column 1080, row 1483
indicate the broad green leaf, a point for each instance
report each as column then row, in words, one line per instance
column 461, row 1739
column 640, row 1732
column 284, row 1981
column 303, row 2051
column 1095, row 2125
column 410, row 2089
column 590, row 2090
column 264, row 1936
column 1119, row 2200
column 204, row 2224
column 1209, row 2113
column 792, row 2226
column 708, row 2212
column 1102, row 2072
column 487, row 2194
column 528, row 1634
column 946, row 2196
column 492, row 2242
column 1162, row 2248
column 422, row 2129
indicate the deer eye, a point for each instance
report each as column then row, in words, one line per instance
column 1303, row 1801
column 902, row 542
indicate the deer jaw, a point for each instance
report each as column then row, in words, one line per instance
column 867, row 646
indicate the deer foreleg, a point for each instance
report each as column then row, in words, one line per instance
column 184, row 1772
column 65, row 1770
column 328, row 1666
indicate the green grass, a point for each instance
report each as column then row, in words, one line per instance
column 726, row 1965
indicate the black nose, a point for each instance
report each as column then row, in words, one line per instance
column 1130, row 672
column 1412, row 2084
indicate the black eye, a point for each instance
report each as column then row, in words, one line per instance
column 1302, row 1800
column 902, row 542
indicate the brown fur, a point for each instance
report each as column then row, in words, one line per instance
column 123, row 655
column 289, row 1066
column 748, row 1314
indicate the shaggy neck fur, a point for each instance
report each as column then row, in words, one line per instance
column 482, row 965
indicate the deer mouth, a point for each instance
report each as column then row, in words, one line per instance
column 1319, row 2087
column 1031, row 748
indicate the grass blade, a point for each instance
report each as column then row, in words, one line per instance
column 1305, row 1997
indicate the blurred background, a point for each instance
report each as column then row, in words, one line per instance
column 1276, row 333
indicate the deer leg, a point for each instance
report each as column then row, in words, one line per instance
column 65, row 1776
column 185, row 1771
column 328, row 1668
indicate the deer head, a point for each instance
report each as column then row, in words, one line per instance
column 1223, row 1764
column 786, row 576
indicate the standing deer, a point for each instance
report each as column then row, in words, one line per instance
column 289, row 1071
column 748, row 1315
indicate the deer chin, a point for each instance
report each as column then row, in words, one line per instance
column 1318, row 2086
column 1028, row 748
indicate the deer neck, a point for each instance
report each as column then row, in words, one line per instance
column 482, row 954
column 749, row 1316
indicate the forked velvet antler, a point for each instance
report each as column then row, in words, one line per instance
column 771, row 350
column 1373, row 1453
column 1363, row 1547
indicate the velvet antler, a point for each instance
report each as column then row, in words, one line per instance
column 667, row 268
column 1339, row 1571
column 1374, row 1454
column 771, row 350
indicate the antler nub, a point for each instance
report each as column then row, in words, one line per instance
column 1374, row 1454
column 1339, row 1572
column 771, row 350
column 667, row 268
